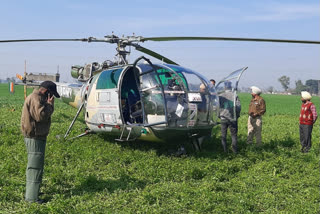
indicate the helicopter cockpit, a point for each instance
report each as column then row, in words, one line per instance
column 160, row 96
column 166, row 95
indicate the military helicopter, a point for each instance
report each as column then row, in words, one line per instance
column 144, row 100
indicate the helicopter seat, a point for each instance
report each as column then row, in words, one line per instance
column 135, row 107
column 136, row 112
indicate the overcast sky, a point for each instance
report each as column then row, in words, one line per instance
column 214, row 59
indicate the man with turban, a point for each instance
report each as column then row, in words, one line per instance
column 257, row 108
column 308, row 116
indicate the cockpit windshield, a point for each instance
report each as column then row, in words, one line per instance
column 190, row 79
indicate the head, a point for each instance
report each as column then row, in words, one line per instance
column 227, row 85
column 49, row 88
column 255, row 91
column 305, row 96
column 202, row 87
column 213, row 82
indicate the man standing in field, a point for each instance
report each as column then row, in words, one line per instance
column 230, row 109
column 257, row 108
column 35, row 125
column 308, row 116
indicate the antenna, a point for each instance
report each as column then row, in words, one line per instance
column 25, row 76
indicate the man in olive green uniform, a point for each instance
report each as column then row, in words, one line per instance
column 35, row 124
column 257, row 108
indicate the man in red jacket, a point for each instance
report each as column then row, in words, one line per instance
column 308, row 116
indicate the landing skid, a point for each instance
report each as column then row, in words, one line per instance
column 87, row 132
column 197, row 142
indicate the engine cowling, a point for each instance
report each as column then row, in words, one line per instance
column 83, row 73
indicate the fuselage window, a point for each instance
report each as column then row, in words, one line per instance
column 108, row 79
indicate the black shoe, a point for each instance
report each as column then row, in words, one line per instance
column 181, row 151
column 40, row 201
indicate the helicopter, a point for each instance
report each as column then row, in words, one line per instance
column 143, row 100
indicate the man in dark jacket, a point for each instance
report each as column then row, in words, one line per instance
column 35, row 125
column 230, row 108
column 257, row 108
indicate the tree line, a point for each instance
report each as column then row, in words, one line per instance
column 310, row 85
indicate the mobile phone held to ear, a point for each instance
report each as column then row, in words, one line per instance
column 48, row 94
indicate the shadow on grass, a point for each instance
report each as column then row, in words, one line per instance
column 211, row 147
column 92, row 184
column 161, row 148
column 273, row 146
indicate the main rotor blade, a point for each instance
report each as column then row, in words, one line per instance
column 44, row 40
column 154, row 54
column 228, row 39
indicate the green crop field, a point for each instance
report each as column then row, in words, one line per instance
column 95, row 174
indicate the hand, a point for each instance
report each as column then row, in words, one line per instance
column 50, row 100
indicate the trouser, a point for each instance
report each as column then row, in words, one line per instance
column 233, row 127
column 254, row 129
column 305, row 137
column 36, row 152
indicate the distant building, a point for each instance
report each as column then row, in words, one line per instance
column 43, row 77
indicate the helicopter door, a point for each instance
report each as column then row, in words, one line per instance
column 175, row 90
column 152, row 98
column 227, row 91
column 130, row 98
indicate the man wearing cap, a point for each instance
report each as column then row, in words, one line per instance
column 257, row 108
column 308, row 116
column 35, row 124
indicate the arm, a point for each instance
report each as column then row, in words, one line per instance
column 314, row 113
column 238, row 107
column 40, row 111
column 262, row 107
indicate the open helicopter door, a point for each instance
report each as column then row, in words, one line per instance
column 152, row 95
column 227, row 92
column 142, row 96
